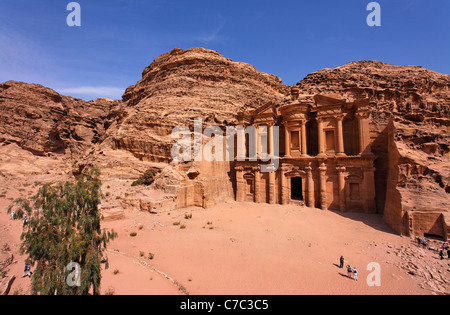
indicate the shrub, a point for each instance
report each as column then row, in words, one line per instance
column 146, row 179
column 110, row 291
column 133, row 234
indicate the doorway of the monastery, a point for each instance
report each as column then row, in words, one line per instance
column 296, row 188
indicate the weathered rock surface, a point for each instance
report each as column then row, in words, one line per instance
column 413, row 171
column 42, row 121
column 183, row 85
column 177, row 88
column 410, row 107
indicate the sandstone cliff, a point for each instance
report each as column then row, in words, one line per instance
column 413, row 168
column 410, row 107
column 183, row 85
column 42, row 121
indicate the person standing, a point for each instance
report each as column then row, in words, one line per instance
column 448, row 253
column 342, row 260
column 349, row 271
column 355, row 274
column 441, row 254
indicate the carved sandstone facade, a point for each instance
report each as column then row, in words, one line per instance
column 325, row 160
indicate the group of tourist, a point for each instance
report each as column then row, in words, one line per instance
column 352, row 273
column 27, row 272
column 25, row 218
column 445, row 249
column 423, row 242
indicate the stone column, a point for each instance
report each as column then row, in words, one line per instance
column 310, row 200
column 303, row 139
column 272, row 199
column 342, row 200
column 284, row 186
column 369, row 190
column 242, row 147
column 364, row 134
column 271, row 146
column 287, row 140
column 240, row 184
column 323, row 187
column 340, row 136
column 257, row 184
column 258, row 142
column 321, row 136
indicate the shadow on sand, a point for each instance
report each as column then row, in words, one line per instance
column 374, row 221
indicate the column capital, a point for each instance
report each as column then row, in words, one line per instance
column 369, row 169
column 256, row 169
column 323, row 167
column 362, row 115
column 341, row 169
column 284, row 168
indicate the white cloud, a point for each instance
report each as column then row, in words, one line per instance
column 206, row 38
column 94, row 91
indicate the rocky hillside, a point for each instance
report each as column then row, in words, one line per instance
column 410, row 107
column 413, row 92
column 42, row 121
column 413, row 172
column 183, row 85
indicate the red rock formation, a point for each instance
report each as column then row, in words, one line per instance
column 183, row 85
column 42, row 121
column 413, row 169
column 174, row 90
column 410, row 107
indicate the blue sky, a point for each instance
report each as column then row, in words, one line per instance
column 119, row 38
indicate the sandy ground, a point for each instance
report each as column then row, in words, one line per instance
column 242, row 249
column 253, row 249
column 248, row 249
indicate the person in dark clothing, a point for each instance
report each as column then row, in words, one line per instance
column 441, row 254
column 448, row 253
column 349, row 272
column 342, row 260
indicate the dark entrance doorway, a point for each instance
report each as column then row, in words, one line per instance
column 296, row 188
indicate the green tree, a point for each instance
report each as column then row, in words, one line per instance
column 62, row 227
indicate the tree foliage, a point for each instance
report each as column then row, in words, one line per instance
column 146, row 179
column 63, row 227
